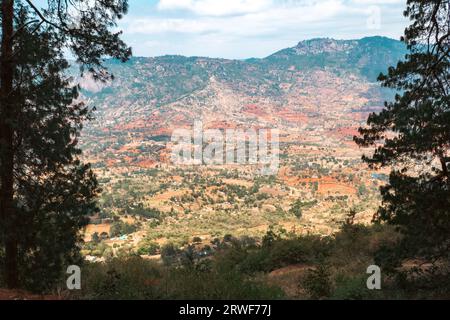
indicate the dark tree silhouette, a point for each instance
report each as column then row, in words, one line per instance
column 412, row 135
column 46, row 192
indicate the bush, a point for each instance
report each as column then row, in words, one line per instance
column 317, row 282
column 99, row 249
column 120, row 228
column 197, row 240
column 149, row 213
column 354, row 288
column 296, row 209
column 216, row 285
column 169, row 254
column 255, row 261
column 356, row 246
column 136, row 278
column 149, row 249
column 302, row 250
column 120, row 279
column 95, row 237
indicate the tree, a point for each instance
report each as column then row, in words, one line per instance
column 46, row 192
column 412, row 135
column 120, row 228
column 95, row 238
column 53, row 190
column 362, row 190
column 296, row 208
column 169, row 254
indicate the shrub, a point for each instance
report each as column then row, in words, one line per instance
column 136, row 278
column 95, row 237
column 216, row 285
column 197, row 240
column 317, row 282
column 149, row 213
column 150, row 249
column 169, row 254
column 296, row 209
column 305, row 250
column 120, row 279
column 120, row 228
column 353, row 288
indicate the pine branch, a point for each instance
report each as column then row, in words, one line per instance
column 41, row 16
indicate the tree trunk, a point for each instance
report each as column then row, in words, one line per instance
column 7, row 212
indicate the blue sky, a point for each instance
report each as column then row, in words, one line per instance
column 252, row 28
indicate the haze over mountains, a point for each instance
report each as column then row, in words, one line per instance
column 321, row 86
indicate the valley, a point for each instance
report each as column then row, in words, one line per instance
column 316, row 94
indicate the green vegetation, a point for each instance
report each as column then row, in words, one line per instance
column 245, row 268
column 223, row 233
column 148, row 248
column 120, row 228
column 135, row 278
column 298, row 206
column 411, row 134
column 46, row 192
column 139, row 210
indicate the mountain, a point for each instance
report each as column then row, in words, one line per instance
column 368, row 56
column 316, row 94
column 320, row 86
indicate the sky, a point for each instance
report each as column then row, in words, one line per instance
column 240, row 29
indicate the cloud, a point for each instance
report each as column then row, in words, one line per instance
column 175, row 25
column 244, row 28
column 377, row 2
column 241, row 7
column 215, row 7
column 263, row 22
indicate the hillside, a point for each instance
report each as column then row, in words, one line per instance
column 317, row 94
column 311, row 80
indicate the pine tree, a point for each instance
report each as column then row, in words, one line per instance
column 46, row 192
column 412, row 136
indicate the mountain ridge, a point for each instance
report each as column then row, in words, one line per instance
column 319, row 39
column 330, row 84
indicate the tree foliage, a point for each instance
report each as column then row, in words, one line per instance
column 47, row 192
column 296, row 208
column 412, row 135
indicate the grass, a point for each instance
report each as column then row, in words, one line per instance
column 136, row 278
column 282, row 265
